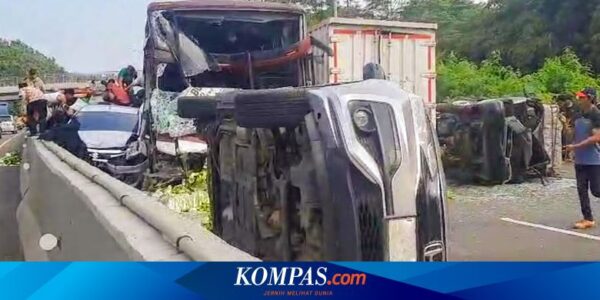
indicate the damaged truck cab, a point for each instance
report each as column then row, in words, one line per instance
column 297, row 172
column 202, row 48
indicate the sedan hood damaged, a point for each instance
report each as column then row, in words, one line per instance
column 105, row 139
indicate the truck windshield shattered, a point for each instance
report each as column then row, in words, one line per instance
column 296, row 171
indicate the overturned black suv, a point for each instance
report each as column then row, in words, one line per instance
column 493, row 141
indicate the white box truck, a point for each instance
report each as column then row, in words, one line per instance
column 405, row 50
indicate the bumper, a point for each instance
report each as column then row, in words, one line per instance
column 8, row 128
column 105, row 159
column 128, row 169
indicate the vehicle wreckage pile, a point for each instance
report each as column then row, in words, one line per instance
column 499, row 141
column 298, row 168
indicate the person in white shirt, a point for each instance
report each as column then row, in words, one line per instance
column 60, row 106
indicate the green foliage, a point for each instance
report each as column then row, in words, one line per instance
column 455, row 19
column 16, row 58
column 16, row 108
column 562, row 74
column 10, row 159
column 189, row 198
column 461, row 78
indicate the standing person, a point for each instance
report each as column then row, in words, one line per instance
column 126, row 76
column 587, row 154
column 34, row 80
column 36, row 108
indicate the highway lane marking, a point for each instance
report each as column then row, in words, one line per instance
column 6, row 142
column 569, row 232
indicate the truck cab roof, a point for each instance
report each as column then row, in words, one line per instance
column 225, row 5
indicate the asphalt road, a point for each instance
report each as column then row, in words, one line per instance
column 5, row 137
column 526, row 222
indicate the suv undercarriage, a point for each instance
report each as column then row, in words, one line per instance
column 347, row 172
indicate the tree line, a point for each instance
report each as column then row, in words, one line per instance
column 16, row 58
column 524, row 32
column 496, row 47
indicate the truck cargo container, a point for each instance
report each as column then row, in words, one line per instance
column 405, row 50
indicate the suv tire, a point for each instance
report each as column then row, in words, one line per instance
column 271, row 108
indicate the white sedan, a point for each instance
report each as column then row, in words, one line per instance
column 7, row 124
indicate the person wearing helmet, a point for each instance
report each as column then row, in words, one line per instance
column 587, row 154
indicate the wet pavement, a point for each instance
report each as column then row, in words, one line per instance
column 525, row 222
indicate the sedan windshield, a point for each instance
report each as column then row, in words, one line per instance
column 4, row 110
column 107, row 121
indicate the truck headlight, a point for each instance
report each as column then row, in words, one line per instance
column 363, row 120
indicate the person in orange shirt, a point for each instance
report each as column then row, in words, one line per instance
column 116, row 94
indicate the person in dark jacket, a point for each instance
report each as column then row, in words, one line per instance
column 67, row 136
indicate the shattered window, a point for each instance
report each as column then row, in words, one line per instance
column 223, row 35
column 220, row 49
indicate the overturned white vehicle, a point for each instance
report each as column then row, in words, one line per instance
column 345, row 172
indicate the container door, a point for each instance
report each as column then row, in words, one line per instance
column 353, row 48
column 409, row 59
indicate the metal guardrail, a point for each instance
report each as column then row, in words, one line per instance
column 59, row 78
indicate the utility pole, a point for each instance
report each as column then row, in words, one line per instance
column 335, row 8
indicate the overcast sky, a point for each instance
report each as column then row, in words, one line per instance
column 83, row 35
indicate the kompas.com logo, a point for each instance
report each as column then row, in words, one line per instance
column 296, row 276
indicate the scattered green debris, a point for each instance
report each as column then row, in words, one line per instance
column 10, row 159
column 451, row 194
column 189, row 198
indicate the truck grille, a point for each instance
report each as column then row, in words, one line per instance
column 370, row 217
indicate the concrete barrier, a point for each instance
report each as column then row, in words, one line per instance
column 10, row 246
column 96, row 217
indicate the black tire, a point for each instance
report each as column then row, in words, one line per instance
column 271, row 108
column 203, row 109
